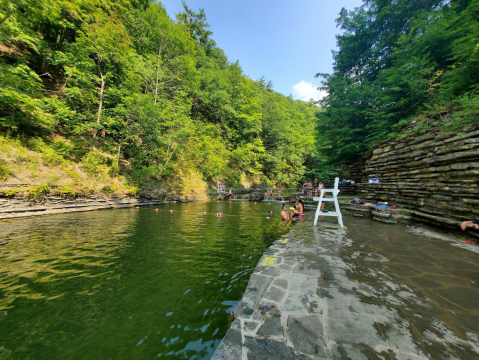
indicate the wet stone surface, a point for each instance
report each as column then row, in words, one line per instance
column 368, row 291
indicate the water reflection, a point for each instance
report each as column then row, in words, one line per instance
column 52, row 249
column 127, row 283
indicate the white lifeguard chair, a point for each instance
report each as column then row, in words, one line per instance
column 321, row 198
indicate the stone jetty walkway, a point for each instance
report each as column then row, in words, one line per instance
column 316, row 294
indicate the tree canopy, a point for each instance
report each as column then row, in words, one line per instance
column 153, row 98
column 398, row 59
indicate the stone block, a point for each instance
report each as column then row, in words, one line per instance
column 389, row 221
column 230, row 346
column 266, row 349
column 269, row 271
column 306, row 335
column 381, row 214
column 341, row 352
column 302, row 284
column 309, row 267
column 250, row 326
column 275, row 294
column 461, row 137
column 257, row 287
column 465, row 166
column 293, row 305
column 264, row 309
column 271, row 326
column 442, row 198
column 442, row 136
column 346, row 327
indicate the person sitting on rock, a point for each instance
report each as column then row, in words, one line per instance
column 474, row 223
column 301, row 202
column 297, row 211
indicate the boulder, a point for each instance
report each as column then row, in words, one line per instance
column 256, row 196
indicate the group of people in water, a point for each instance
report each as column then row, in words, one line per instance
column 312, row 189
column 294, row 211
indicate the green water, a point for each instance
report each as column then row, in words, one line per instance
column 128, row 284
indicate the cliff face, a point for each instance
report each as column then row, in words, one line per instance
column 434, row 173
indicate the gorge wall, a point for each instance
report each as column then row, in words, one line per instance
column 431, row 172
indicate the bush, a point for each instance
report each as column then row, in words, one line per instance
column 67, row 192
column 10, row 193
column 94, row 163
column 49, row 157
column 133, row 190
column 39, row 193
column 5, row 173
column 107, row 190
column 85, row 191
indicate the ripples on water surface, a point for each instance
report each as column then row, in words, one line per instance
column 125, row 283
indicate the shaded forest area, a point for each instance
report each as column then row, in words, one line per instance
column 115, row 89
column 399, row 61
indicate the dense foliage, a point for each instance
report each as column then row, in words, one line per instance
column 153, row 99
column 396, row 60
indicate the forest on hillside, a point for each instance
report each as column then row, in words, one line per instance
column 118, row 92
column 124, row 90
column 398, row 61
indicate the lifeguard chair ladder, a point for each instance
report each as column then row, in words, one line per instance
column 321, row 198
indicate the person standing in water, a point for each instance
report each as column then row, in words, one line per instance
column 284, row 214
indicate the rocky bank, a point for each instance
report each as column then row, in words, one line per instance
column 20, row 207
column 431, row 172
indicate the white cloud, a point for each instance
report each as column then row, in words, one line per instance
column 306, row 91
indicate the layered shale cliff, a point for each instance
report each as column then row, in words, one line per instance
column 22, row 206
column 433, row 173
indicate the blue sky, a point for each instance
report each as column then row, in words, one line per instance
column 285, row 41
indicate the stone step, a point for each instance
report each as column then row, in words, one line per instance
column 381, row 214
